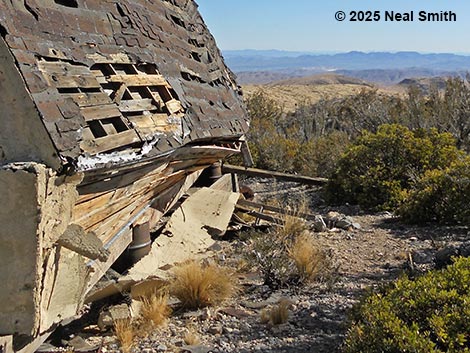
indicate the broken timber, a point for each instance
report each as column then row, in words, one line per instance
column 253, row 172
column 276, row 215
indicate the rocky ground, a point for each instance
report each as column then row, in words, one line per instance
column 364, row 258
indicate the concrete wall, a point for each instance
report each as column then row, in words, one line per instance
column 41, row 282
column 19, row 216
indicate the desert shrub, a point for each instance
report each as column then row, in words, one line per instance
column 379, row 169
column 302, row 141
column 287, row 254
column 282, row 142
column 441, row 195
column 319, row 156
column 197, row 285
column 276, row 315
column 429, row 314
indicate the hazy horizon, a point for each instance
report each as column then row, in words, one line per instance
column 333, row 52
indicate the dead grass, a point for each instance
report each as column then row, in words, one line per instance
column 309, row 259
column 278, row 314
column 155, row 308
column 292, row 223
column 191, row 338
column 197, row 285
column 125, row 333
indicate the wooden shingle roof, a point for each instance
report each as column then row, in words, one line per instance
column 114, row 76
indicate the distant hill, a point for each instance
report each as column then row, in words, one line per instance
column 293, row 92
column 425, row 83
column 323, row 79
column 395, row 76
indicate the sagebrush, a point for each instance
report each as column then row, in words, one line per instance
column 429, row 314
column 380, row 169
column 441, row 195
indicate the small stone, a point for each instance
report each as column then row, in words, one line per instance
column 161, row 348
column 215, row 330
column 227, row 330
column 444, row 256
column 344, row 223
column 356, row 226
column 319, row 224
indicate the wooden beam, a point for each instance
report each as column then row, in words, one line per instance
column 138, row 80
column 258, row 214
column 260, row 173
column 98, row 112
column 136, row 105
column 107, row 143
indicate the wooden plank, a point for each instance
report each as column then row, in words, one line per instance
column 128, row 198
column 74, row 81
column 120, row 178
column 260, row 173
column 117, row 187
column 182, row 153
column 258, row 214
column 61, row 67
column 160, row 119
column 173, row 106
column 100, row 112
column 136, row 105
column 120, row 93
column 108, row 143
column 138, row 80
column 142, row 121
column 65, row 75
column 90, row 99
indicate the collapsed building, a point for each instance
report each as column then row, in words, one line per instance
column 110, row 110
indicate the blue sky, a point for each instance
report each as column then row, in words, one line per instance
column 309, row 25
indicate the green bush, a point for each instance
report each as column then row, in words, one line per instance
column 318, row 156
column 441, row 195
column 380, row 169
column 430, row 314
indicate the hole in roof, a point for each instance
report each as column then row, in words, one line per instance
column 67, row 3
column 96, row 129
column 3, row 31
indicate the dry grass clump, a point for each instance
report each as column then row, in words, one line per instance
column 293, row 224
column 309, row 260
column 278, row 314
column 191, row 338
column 155, row 308
column 125, row 333
column 197, row 285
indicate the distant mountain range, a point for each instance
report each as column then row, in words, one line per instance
column 383, row 67
column 252, row 60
